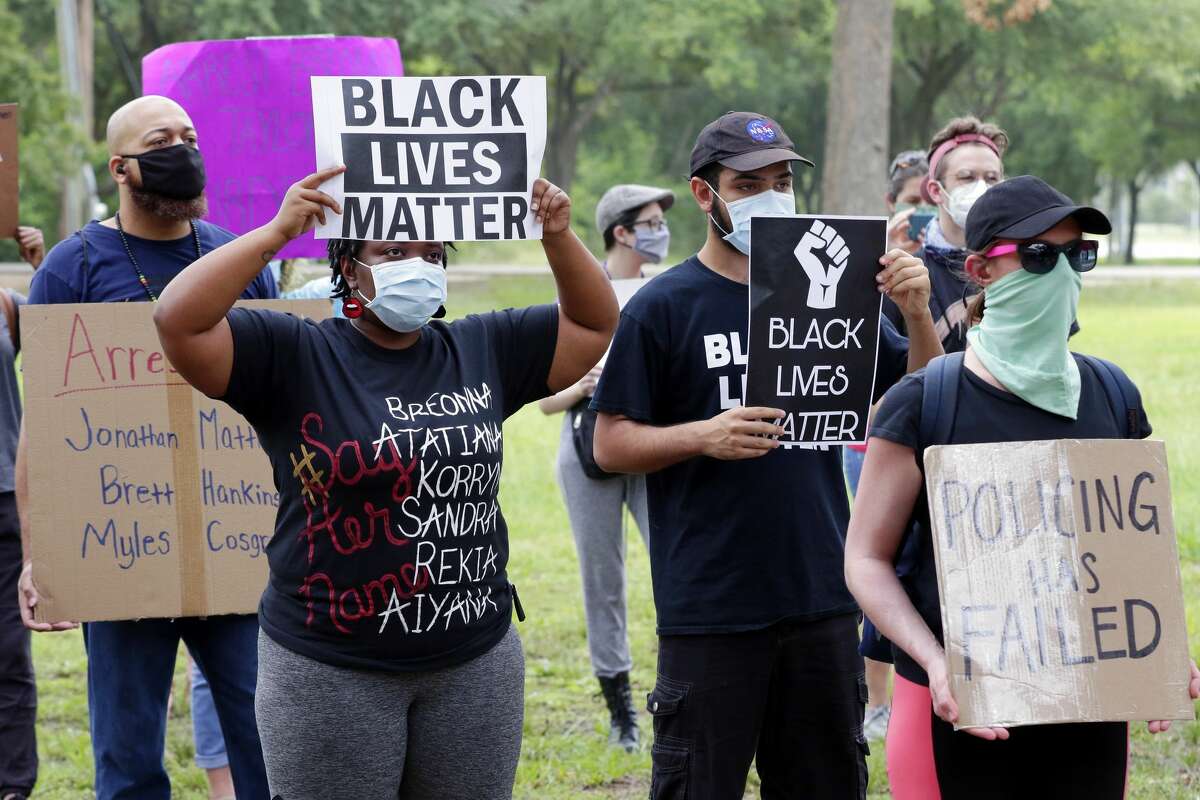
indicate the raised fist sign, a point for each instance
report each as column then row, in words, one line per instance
column 823, row 277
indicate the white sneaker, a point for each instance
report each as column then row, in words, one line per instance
column 876, row 723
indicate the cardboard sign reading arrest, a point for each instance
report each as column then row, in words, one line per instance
column 147, row 499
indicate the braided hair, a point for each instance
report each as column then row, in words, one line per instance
column 340, row 249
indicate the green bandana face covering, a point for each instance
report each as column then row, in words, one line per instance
column 1022, row 339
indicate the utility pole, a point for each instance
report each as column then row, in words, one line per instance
column 74, row 20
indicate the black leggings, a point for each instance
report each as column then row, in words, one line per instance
column 1088, row 761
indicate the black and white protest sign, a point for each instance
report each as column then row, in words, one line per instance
column 431, row 159
column 814, row 323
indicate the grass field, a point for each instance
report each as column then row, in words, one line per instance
column 1153, row 330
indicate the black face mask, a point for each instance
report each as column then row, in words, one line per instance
column 176, row 171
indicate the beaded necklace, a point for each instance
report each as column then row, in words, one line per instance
column 142, row 279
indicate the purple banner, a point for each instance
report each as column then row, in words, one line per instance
column 251, row 103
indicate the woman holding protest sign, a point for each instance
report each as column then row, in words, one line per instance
column 1017, row 381
column 387, row 664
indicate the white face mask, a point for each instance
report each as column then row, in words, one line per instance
column 959, row 201
column 764, row 204
column 407, row 293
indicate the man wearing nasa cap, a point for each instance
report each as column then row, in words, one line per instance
column 758, row 635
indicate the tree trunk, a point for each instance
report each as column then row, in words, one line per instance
column 1134, row 190
column 1117, row 215
column 1195, row 165
column 856, row 137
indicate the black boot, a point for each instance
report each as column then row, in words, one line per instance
column 619, row 697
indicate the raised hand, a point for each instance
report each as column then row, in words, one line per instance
column 551, row 206
column 823, row 276
column 905, row 279
column 304, row 205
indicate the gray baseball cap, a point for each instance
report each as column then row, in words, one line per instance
column 623, row 197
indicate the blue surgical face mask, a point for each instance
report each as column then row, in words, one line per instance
column 764, row 204
column 407, row 293
column 651, row 245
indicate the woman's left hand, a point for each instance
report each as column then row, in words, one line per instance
column 1161, row 725
column 905, row 280
column 551, row 206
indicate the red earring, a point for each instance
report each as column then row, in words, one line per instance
column 352, row 308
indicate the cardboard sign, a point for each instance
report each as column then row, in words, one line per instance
column 251, row 103
column 10, row 170
column 428, row 159
column 1059, row 579
column 147, row 499
column 814, row 323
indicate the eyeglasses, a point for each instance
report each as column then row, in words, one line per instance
column 652, row 224
column 1040, row 257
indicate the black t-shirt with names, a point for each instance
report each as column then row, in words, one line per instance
column 734, row 545
column 984, row 414
column 390, row 548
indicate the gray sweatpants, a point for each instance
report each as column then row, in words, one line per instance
column 330, row 733
column 596, row 509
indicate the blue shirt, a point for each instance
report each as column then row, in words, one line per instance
column 734, row 545
column 101, row 272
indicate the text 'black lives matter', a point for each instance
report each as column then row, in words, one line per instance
column 814, row 323
column 431, row 158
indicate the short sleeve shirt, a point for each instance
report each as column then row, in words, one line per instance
column 734, row 545
column 984, row 414
column 390, row 548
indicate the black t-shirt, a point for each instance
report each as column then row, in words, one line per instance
column 984, row 414
column 389, row 550
column 734, row 545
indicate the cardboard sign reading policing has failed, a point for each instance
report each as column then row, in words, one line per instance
column 147, row 499
column 1059, row 579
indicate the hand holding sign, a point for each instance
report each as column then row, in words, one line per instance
column 742, row 433
column 946, row 707
column 27, row 599
column 822, row 289
column 304, row 205
column 905, row 279
column 551, row 206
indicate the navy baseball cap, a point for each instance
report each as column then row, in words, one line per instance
column 743, row 141
column 1021, row 208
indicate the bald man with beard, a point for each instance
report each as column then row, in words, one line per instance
column 155, row 160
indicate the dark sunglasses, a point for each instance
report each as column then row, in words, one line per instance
column 1040, row 257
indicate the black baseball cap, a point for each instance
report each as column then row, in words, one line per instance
column 1021, row 208
column 743, row 140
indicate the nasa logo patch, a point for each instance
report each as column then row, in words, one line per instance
column 760, row 130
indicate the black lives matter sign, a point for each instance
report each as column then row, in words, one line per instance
column 814, row 323
column 431, row 159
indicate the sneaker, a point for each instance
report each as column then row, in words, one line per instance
column 623, row 729
column 876, row 723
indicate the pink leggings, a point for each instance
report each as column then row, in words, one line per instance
column 910, row 743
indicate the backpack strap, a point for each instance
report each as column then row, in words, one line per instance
column 939, row 398
column 1119, row 389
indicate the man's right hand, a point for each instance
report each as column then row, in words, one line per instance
column 27, row 599
column 742, row 433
